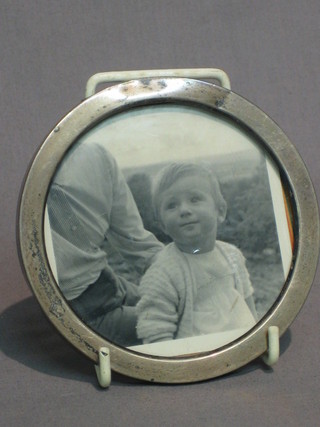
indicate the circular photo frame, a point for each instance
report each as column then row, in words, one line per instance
column 173, row 222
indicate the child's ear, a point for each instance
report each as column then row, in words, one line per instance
column 222, row 212
column 162, row 226
column 159, row 224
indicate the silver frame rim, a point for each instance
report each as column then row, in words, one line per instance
column 145, row 92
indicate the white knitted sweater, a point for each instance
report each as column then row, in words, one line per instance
column 167, row 291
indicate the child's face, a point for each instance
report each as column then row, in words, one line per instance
column 189, row 215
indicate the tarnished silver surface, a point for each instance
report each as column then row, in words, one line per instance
column 294, row 175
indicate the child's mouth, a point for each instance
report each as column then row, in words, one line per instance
column 188, row 224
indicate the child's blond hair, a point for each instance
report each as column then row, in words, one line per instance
column 174, row 171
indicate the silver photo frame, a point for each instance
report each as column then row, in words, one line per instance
column 147, row 125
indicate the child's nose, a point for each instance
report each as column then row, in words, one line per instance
column 185, row 209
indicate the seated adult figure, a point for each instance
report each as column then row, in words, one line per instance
column 89, row 202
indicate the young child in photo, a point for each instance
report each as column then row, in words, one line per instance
column 197, row 285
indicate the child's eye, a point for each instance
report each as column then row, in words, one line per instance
column 171, row 205
column 195, row 199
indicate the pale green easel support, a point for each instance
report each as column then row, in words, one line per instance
column 120, row 76
column 103, row 369
column 272, row 355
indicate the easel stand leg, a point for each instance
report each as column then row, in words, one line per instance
column 103, row 370
column 272, row 354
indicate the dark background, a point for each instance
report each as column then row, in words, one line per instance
column 270, row 49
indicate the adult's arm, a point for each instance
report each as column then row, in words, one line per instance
column 89, row 201
column 126, row 231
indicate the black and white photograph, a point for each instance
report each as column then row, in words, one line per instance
column 167, row 230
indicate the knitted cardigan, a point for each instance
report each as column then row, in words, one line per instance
column 167, row 290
